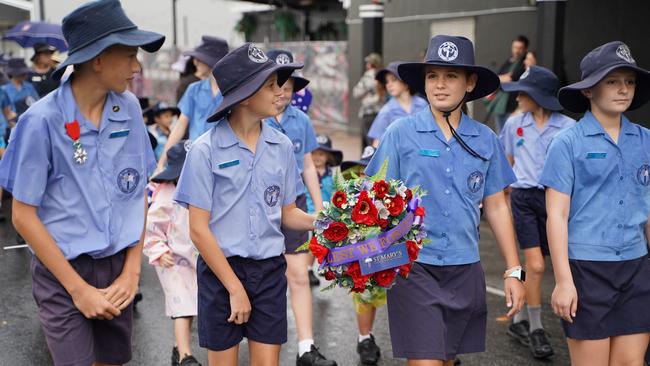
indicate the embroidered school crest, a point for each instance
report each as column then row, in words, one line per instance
column 256, row 55
column 643, row 175
column 475, row 181
column 321, row 139
column 128, row 180
column 448, row 51
column 282, row 59
column 623, row 51
column 297, row 145
column 272, row 195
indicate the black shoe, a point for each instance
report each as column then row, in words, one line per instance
column 313, row 280
column 175, row 357
column 368, row 351
column 539, row 344
column 189, row 360
column 313, row 358
column 519, row 331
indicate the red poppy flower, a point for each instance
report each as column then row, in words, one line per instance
column 395, row 205
column 73, row 130
column 409, row 195
column 358, row 279
column 413, row 249
column 405, row 269
column 339, row 198
column 364, row 212
column 319, row 251
column 520, row 131
column 381, row 188
column 385, row 278
column 419, row 211
column 336, row 231
column 383, row 223
column 329, row 275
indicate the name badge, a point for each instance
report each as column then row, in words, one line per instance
column 395, row 256
column 119, row 133
column 228, row 164
column 429, row 152
column 596, row 155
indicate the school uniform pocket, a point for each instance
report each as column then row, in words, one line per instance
column 473, row 173
column 273, row 193
column 128, row 175
column 594, row 166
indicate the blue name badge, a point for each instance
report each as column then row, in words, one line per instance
column 429, row 152
column 228, row 164
column 119, row 133
column 596, row 155
column 395, row 256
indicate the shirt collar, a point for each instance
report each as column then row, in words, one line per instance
column 591, row 126
column 225, row 136
column 424, row 122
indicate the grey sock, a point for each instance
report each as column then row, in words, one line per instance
column 520, row 316
column 535, row 317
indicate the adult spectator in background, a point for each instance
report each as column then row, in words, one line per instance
column 43, row 65
column 369, row 91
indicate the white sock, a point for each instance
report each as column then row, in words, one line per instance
column 304, row 346
column 364, row 337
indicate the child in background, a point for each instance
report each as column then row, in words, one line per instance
column 162, row 115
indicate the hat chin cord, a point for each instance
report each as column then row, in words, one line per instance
column 462, row 142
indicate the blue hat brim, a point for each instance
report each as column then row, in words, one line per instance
column 20, row 71
column 203, row 57
column 250, row 87
column 412, row 73
column 572, row 99
column 171, row 173
column 548, row 102
column 148, row 41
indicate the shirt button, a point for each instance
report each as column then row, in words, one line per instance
column 448, row 149
column 445, row 214
column 444, row 235
column 447, row 191
column 620, row 178
column 448, row 170
column 618, row 252
column 440, row 257
column 620, row 226
column 620, row 202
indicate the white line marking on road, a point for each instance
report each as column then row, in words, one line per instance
column 495, row 291
column 15, row 247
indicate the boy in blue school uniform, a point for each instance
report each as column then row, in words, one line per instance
column 77, row 168
column 401, row 104
column 597, row 178
column 525, row 138
column 240, row 182
column 201, row 98
column 296, row 125
column 440, row 311
column 21, row 93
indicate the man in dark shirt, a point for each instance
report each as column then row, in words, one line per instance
column 43, row 66
column 510, row 71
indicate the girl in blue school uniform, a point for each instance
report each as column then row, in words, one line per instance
column 77, row 167
column 597, row 178
column 296, row 125
column 401, row 104
column 240, row 182
column 525, row 138
column 200, row 98
column 440, row 311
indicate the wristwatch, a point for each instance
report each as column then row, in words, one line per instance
column 515, row 272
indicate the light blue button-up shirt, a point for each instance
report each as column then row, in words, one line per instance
column 528, row 145
column 198, row 103
column 392, row 111
column 296, row 125
column 609, row 185
column 244, row 191
column 95, row 208
column 26, row 91
column 456, row 182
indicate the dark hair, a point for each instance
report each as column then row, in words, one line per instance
column 532, row 53
column 523, row 39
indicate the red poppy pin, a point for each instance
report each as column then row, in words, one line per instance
column 520, row 131
column 74, row 132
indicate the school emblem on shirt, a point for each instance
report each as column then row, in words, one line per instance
column 297, row 145
column 643, row 175
column 256, row 55
column 282, row 59
column 475, row 181
column 272, row 195
column 448, row 51
column 623, row 51
column 128, row 180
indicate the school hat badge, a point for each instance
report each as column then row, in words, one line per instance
column 242, row 72
column 449, row 51
column 540, row 84
column 97, row 25
column 595, row 66
column 325, row 144
column 210, row 51
column 283, row 57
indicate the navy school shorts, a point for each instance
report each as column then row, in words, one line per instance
column 294, row 238
column 265, row 283
column 72, row 338
column 613, row 299
column 438, row 312
column 529, row 215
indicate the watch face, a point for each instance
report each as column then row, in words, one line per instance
column 522, row 277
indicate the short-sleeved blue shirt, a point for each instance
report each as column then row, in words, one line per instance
column 456, row 182
column 198, row 103
column 95, row 208
column 522, row 140
column 244, row 191
column 609, row 185
column 4, row 102
column 26, row 92
column 296, row 125
column 390, row 112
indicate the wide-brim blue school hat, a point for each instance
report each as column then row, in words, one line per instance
column 392, row 68
column 283, row 57
column 540, row 84
column 210, row 51
column 16, row 67
column 595, row 66
column 97, row 25
column 325, row 144
column 242, row 72
column 449, row 51
column 175, row 160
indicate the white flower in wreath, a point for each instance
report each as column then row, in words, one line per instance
column 382, row 211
